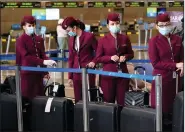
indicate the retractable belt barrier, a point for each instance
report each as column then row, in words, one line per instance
column 13, row 57
column 90, row 71
column 85, row 72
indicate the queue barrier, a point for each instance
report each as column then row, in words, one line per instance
column 85, row 72
column 13, row 57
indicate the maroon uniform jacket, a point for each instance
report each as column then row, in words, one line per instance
column 164, row 56
column 30, row 52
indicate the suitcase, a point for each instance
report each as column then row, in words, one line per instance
column 137, row 97
column 138, row 119
column 52, row 114
column 8, row 116
column 8, row 113
column 10, row 80
column 103, row 117
column 178, row 113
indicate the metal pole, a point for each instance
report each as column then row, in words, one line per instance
column 146, row 36
column 62, row 65
column 139, row 37
column 158, row 92
column 150, row 33
column 19, row 99
column 85, row 100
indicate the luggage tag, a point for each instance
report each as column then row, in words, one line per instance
column 48, row 105
column 174, row 74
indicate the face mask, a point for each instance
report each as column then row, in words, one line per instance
column 30, row 30
column 72, row 34
column 165, row 30
column 114, row 29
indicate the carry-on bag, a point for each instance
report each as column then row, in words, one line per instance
column 178, row 111
column 55, row 89
column 143, row 118
column 103, row 117
column 137, row 97
column 10, row 80
column 8, row 113
column 52, row 114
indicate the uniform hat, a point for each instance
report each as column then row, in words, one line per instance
column 113, row 17
column 67, row 22
column 163, row 17
column 28, row 19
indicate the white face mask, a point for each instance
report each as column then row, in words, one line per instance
column 30, row 30
column 165, row 30
column 114, row 29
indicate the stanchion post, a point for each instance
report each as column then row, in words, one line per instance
column 139, row 37
column 19, row 99
column 158, row 92
column 85, row 100
column 62, row 65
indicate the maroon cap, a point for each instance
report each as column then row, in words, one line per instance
column 113, row 17
column 28, row 19
column 81, row 24
column 67, row 22
column 163, row 17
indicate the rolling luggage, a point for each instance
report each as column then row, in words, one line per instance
column 137, row 97
column 52, row 114
column 178, row 112
column 142, row 118
column 104, row 117
column 9, row 121
column 8, row 113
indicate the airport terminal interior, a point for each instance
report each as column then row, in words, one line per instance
column 137, row 21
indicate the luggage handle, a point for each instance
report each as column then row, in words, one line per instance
column 55, row 87
column 135, row 71
column 89, row 89
column 177, row 82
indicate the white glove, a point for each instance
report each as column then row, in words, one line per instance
column 49, row 62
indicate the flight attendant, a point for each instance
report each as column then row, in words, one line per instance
column 82, row 46
column 30, row 52
column 166, row 53
column 113, row 51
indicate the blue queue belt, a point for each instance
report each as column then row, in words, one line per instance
column 90, row 71
column 66, row 59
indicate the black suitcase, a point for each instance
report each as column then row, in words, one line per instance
column 137, row 97
column 104, row 117
column 178, row 113
column 8, row 113
column 138, row 119
column 60, row 118
column 9, row 121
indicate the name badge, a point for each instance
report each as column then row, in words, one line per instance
column 174, row 74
